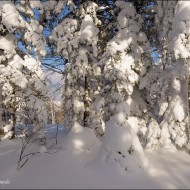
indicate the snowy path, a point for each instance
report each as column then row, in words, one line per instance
column 72, row 169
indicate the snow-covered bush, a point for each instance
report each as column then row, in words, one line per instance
column 121, row 145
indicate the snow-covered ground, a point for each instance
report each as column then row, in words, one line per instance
column 76, row 165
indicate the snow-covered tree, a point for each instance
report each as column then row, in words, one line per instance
column 176, row 117
column 76, row 40
column 167, row 81
column 21, row 76
column 124, row 65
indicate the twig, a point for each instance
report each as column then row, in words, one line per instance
column 56, row 135
column 28, row 141
column 28, row 156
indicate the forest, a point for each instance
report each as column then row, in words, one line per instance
column 94, row 94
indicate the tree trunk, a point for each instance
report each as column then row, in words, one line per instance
column 188, row 105
column 13, row 114
column 86, row 104
column 1, row 107
column 52, row 111
column 1, row 113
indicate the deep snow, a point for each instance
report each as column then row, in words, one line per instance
column 76, row 166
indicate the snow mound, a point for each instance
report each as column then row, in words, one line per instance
column 121, row 145
column 179, row 113
column 80, row 138
column 153, row 135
